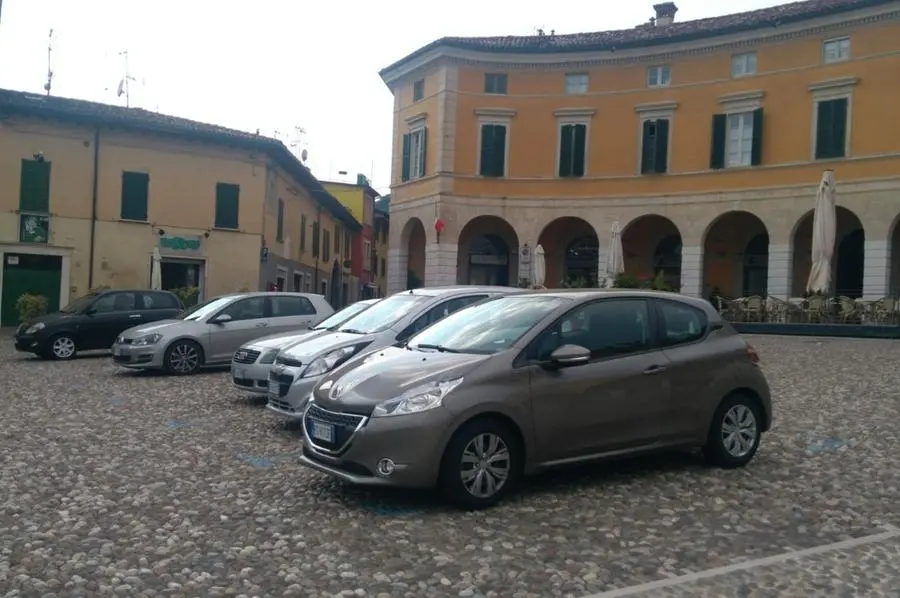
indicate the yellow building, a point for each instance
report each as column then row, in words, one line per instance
column 359, row 199
column 704, row 140
column 382, row 233
column 87, row 191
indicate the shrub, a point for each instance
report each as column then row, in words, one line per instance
column 31, row 306
column 659, row 282
column 188, row 295
column 627, row 281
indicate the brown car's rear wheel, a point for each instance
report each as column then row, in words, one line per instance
column 735, row 432
column 480, row 465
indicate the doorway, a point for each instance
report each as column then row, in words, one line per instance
column 182, row 274
column 28, row 273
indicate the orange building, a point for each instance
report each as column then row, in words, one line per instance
column 705, row 140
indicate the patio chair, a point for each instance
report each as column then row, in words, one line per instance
column 755, row 308
column 850, row 310
column 816, row 308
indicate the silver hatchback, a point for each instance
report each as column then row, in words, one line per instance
column 209, row 334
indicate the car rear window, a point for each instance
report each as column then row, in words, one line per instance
column 159, row 301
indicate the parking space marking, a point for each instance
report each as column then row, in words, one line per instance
column 889, row 533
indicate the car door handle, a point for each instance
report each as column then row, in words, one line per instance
column 655, row 369
column 262, row 324
column 134, row 316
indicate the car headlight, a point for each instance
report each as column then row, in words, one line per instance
column 35, row 327
column 268, row 356
column 326, row 363
column 150, row 339
column 418, row 399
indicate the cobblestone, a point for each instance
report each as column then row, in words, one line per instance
column 121, row 484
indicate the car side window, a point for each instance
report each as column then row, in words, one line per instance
column 607, row 327
column 114, row 302
column 252, row 308
column 441, row 310
column 151, row 300
column 283, row 306
column 681, row 323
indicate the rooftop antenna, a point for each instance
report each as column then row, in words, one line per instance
column 49, row 82
column 125, row 82
column 297, row 141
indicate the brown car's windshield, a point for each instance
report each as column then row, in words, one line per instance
column 488, row 327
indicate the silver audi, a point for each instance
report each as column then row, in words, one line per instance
column 251, row 362
column 209, row 334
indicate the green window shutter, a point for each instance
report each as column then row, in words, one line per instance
column 824, row 122
column 404, row 176
column 565, row 150
column 578, row 150
column 302, row 233
column 227, row 204
column 315, row 239
column 756, row 144
column 422, row 168
column 499, row 151
column 34, row 190
column 717, row 145
column 487, row 148
column 135, row 193
column 661, row 162
column 839, row 128
column 648, row 146
column 280, row 225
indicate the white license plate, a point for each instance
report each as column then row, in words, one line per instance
column 322, row 431
column 118, row 352
column 273, row 389
column 240, row 373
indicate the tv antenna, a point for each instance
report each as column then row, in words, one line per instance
column 49, row 82
column 298, row 141
column 125, row 83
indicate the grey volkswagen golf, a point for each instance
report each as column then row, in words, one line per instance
column 529, row 382
column 299, row 367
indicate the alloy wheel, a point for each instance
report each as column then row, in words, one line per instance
column 739, row 431
column 184, row 358
column 63, row 347
column 485, row 465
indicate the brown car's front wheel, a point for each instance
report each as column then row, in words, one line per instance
column 481, row 464
column 735, row 432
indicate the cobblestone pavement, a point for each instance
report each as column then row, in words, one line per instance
column 116, row 483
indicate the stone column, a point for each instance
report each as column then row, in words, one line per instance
column 877, row 269
column 397, row 260
column 440, row 264
column 692, row 271
column 780, row 271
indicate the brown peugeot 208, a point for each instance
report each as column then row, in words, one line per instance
column 527, row 382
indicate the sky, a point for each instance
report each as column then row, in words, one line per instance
column 275, row 65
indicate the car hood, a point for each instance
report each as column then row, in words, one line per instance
column 387, row 374
column 166, row 328
column 49, row 319
column 308, row 349
column 282, row 339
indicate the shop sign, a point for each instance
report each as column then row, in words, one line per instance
column 180, row 244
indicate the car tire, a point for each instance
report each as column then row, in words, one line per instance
column 735, row 432
column 60, row 347
column 467, row 457
column 183, row 358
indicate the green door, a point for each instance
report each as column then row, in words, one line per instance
column 28, row 273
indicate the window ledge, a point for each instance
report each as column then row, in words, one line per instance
column 417, row 119
column 502, row 112
column 227, row 229
column 133, row 221
column 585, row 112
column 656, row 107
column 834, row 85
column 741, row 96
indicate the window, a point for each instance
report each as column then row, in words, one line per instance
column 315, row 239
column 440, row 312
column 367, row 253
column 135, row 193
column 151, row 300
column 831, row 128
column 298, row 282
column 836, row 50
column 337, row 242
column 308, row 283
column 414, row 147
column 281, row 280
column 383, row 267
column 743, row 64
column 227, row 201
column 495, row 83
column 292, row 306
column 114, row 302
column 251, row 308
column 34, row 202
column 493, row 150
column 576, row 83
column 606, row 327
column 279, row 227
column 326, row 245
column 681, row 323
column 572, row 147
column 419, row 90
column 655, row 146
column 659, row 76
column 737, row 139
column 324, row 291
column 302, row 233
column 385, row 314
column 347, row 244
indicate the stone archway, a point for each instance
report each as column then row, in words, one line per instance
column 488, row 252
column 412, row 240
column 652, row 244
column 571, row 252
column 848, row 263
column 736, row 256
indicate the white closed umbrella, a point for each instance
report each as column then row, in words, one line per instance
column 823, row 236
column 156, row 271
column 615, row 258
column 540, row 267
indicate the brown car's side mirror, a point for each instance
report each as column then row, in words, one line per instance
column 570, row 355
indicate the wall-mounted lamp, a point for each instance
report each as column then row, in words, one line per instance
column 206, row 234
column 39, row 157
column 526, row 250
column 160, row 232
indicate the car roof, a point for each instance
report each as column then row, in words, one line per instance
column 461, row 289
column 588, row 294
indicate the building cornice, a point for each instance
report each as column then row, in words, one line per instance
column 571, row 112
column 655, row 54
column 499, row 112
column 830, row 84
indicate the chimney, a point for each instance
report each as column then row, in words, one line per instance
column 665, row 13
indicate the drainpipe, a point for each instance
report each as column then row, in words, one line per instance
column 94, row 207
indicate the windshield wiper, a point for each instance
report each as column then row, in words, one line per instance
column 351, row 331
column 438, row 348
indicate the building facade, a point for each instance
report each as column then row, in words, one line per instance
column 88, row 191
column 359, row 199
column 705, row 141
column 382, row 233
